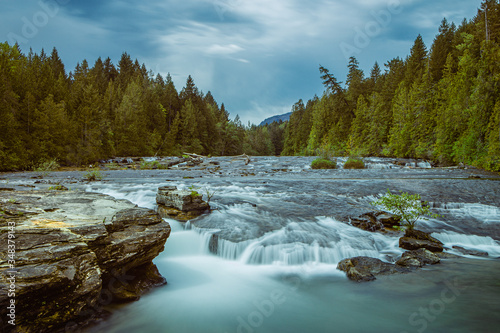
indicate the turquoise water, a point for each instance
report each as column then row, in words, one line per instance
column 282, row 276
column 206, row 293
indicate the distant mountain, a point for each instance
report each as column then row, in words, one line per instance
column 282, row 117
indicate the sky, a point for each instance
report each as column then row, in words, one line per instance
column 258, row 57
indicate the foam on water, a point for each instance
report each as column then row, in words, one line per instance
column 481, row 212
column 325, row 241
column 297, row 260
column 473, row 242
column 141, row 195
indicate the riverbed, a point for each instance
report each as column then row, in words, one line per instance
column 264, row 260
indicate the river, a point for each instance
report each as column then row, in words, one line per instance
column 265, row 259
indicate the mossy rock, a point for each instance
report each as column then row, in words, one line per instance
column 322, row 163
column 354, row 163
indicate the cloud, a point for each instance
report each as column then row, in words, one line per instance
column 224, row 49
column 256, row 56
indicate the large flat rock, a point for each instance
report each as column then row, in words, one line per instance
column 74, row 252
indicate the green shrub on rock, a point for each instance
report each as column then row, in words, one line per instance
column 408, row 206
column 93, row 175
column 354, row 163
column 323, row 163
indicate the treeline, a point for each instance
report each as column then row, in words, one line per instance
column 441, row 104
column 105, row 110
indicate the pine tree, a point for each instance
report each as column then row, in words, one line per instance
column 416, row 62
column 442, row 46
column 126, row 71
column 11, row 150
column 131, row 124
column 355, row 78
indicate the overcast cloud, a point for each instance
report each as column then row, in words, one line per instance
column 257, row 56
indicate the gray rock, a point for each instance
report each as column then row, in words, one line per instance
column 409, row 262
column 416, row 239
column 375, row 221
column 362, row 269
column 418, row 258
column 179, row 204
column 367, row 223
column 388, row 220
column 84, row 252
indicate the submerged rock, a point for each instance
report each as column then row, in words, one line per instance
column 181, row 205
column 416, row 239
column 75, row 252
column 471, row 252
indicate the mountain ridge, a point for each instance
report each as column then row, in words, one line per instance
column 283, row 117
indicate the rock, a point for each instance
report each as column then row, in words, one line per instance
column 416, row 239
column 179, row 204
column 367, row 223
column 418, row 258
column 374, row 221
column 76, row 252
column 362, row 269
column 213, row 244
column 388, row 220
column 179, row 215
column 471, row 252
column 446, row 255
column 138, row 280
column 409, row 262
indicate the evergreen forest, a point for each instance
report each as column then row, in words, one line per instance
column 440, row 103
column 100, row 111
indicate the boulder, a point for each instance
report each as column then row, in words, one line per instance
column 418, row 258
column 416, row 239
column 362, row 269
column 366, row 222
column 181, row 205
column 388, row 220
column 75, row 252
column 374, row 221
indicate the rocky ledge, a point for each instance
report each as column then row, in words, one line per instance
column 72, row 253
column 182, row 205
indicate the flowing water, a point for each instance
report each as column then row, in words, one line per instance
column 265, row 259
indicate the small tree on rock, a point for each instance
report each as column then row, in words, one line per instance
column 408, row 206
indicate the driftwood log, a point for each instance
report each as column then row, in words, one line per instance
column 243, row 156
column 194, row 156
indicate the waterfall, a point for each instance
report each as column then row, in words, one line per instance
column 473, row 242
